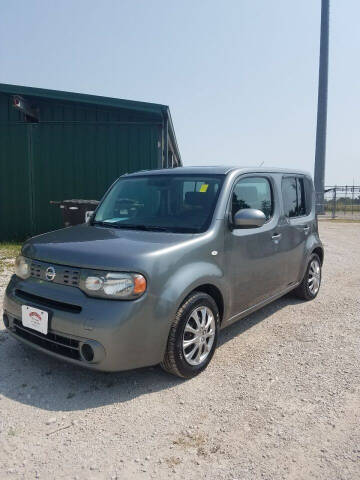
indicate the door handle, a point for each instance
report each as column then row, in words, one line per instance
column 306, row 229
column 276, row 237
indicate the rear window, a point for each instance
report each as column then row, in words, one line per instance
column 294, row 197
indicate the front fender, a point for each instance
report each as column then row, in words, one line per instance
column 184, row 281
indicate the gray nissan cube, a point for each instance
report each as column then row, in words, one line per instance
column 168, row 259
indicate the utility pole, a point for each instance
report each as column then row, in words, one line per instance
column 319, row 171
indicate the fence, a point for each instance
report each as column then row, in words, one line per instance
column 342, row 202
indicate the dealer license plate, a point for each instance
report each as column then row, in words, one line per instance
column 35, row 319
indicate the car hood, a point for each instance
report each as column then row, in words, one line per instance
column 101, row 247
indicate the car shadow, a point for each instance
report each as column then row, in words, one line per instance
column 34, row 379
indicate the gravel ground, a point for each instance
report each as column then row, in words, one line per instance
column 280, row 400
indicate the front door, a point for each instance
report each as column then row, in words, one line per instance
column 254, row 257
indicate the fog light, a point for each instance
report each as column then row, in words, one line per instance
column 6, row 320
column 87, row 352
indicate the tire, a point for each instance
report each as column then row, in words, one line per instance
column 310, row 284
column 183, row 359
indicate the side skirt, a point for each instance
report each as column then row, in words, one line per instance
column 262, row 304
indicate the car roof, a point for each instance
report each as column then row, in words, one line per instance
column 216, row 169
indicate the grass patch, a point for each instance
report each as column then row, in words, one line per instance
column 8, row 252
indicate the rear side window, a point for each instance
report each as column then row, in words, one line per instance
column 253, row 192
column 294, row 197
column 301, row 210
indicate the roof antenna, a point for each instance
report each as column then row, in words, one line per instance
column 262, row 163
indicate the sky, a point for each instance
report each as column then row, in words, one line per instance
column 240, row 76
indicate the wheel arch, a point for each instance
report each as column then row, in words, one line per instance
column 311, row 249
column 319, row 252
column 214, row 293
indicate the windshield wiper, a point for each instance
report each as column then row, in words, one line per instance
column 142, row 227
column 145, row 228
column 102, row 224
column 157, row 228
column 131, row 226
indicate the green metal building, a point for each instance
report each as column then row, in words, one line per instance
column 59, row 145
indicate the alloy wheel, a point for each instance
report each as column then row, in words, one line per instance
column 199, row 335
column 314, row 277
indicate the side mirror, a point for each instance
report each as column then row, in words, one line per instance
column 249, row 218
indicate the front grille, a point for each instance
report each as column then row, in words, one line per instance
column 35, row 270
column 47, row 302
column 68, row 347
column 71, row 277
column 64, row 275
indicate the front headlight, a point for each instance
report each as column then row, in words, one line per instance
column 124, row 285
column 22, row 267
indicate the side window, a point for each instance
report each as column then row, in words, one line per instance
column 289, row 192
column 253, row 192
column 301, row 197
column 294, row 198
column 309, row 194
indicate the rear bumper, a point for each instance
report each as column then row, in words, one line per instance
column 124, row 334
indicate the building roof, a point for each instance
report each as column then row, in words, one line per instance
column 162, row 110
column 81, row 98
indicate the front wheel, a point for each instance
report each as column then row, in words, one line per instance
column 193, row 336
column 310, row 285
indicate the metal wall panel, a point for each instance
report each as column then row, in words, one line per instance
column 75, row 151
column 15, row 205
column 59, row 161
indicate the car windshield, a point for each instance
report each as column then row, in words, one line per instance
column 171, row 202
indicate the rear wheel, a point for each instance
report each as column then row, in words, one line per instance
column 310, row 285
column 193, row 336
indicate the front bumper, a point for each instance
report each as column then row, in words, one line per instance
column 124, row 334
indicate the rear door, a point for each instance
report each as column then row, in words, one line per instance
column 253, row 257
column 296, row 225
